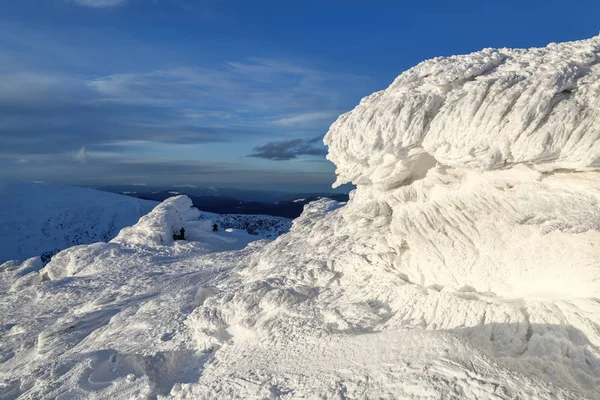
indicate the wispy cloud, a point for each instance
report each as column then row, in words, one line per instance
column 82, row 155
column 99, row 3
column 63, row 116
column 178, row 105
column 199, row 114
column 254, row 85
column 307, row 118
column 289, row 149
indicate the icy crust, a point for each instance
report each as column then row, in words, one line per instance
column 487, row 110
column 322, row 311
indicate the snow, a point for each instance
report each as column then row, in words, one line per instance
column 464, row 265
column 264, row 226
column 487, row 110
column 38, row 218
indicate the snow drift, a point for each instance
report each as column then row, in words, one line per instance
column 465, row 265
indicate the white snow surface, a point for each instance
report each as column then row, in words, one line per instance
column 38, row 218
column 465, row 265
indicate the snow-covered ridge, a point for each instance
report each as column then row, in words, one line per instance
column 486, row 110
column 40, row 219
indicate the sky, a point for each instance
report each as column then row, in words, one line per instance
column 224, row 93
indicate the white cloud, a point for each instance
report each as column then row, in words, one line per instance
column 307, row 118
column 81, row 155
column 198, row 114
column 134, row 112
column 19, row 86
column 256, row 85
column 99, row 3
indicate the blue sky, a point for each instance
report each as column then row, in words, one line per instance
column 223, row 93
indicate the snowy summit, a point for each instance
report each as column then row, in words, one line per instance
column 465, row 265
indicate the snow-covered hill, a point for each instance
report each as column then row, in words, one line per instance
column 465, row 265
column 39, row 218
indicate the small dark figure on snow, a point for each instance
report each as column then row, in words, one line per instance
column 215, row 228
column 181, row 235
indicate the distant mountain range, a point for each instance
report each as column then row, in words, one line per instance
column 213, row 200
column 245, row 195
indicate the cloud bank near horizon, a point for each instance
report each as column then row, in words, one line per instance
column 289, row 149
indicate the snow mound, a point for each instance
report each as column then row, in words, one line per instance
column 158, row 227
column 486, row 110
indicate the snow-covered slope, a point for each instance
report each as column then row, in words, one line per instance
column 41, row 218
column 465, row 265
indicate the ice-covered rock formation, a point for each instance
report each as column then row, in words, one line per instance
column 465, row 265
column 486, row 110
column 158, row 227
column 476, row 164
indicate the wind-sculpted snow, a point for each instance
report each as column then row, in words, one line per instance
column 486, row 110
column 158, row 227
column 462, row 266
